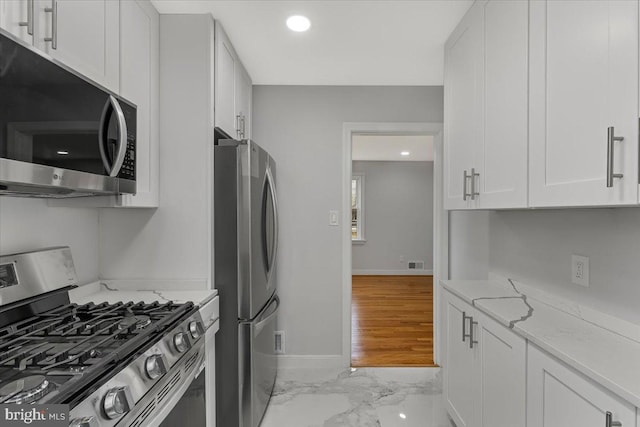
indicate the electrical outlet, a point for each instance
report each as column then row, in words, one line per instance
column 580, row 270
column 401, row 259
column 278, row 342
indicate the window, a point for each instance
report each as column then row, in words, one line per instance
column 357, row 207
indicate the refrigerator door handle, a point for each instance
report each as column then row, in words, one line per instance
column 269, row 313
column 274, row 199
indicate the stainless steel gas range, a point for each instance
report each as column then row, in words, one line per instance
column 126, row 364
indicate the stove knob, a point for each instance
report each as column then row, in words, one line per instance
column 195, row 329
column 181, row 342
column 117, row 401
column 84, row 422
column 156, row 366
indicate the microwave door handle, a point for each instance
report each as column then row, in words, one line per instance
column 110, row 106
column 122, row 136
column 103, row 130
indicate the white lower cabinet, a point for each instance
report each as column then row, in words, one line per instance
column 557, row 396
column 484, row 369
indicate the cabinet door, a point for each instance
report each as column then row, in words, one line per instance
column 244, row 89
column 139, row 65
column 18, row 18
column 85, row 34
column 557, row 396
column 225, row 87
column 501, row 154
column 460, row 378
column 503, row 367
column 463, row 105
column 583, row 79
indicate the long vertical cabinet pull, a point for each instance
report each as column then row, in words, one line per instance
column 54, row 24
column 465, row 195
column 29, row 22
column 472, row 340
column 474, row 175
column 609, row 421
column 611, row 139
column 464, row 325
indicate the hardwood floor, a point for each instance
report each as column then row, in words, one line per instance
column 392, row 321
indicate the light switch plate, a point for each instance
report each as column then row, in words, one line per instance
column 580, row 270
column 334, row 218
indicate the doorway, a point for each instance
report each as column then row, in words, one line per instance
column 391, row 296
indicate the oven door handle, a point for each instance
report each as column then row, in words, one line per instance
column 112, row 106
column 269, row 313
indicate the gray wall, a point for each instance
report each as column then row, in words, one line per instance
column 301, row 126
column 28, row 224
column 398, row 209
column 536, row 247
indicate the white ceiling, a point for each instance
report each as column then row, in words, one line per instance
column 389, row 147
column 361, row 42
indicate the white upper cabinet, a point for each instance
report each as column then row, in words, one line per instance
column 225, row 87
column 583, row 81
column 233, row 88
column 139, row 83
column 462, row 108
column 18, row 17
column 486, row 77
column 83, row 34
column 557, row 396
column 244, row 89
column 501, row 151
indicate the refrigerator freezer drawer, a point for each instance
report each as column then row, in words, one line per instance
column 258, row 364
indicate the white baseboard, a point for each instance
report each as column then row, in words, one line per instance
column 310, row 361
column 406, row 272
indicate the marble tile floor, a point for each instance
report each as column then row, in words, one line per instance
column 365, row 397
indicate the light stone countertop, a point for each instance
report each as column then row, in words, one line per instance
column 98, row 292
column 606, row 357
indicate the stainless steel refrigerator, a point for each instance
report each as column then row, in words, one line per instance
column 245, row 251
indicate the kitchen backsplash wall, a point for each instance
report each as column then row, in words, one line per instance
column 28, row 224
column 302, row 128
column 535, row 247
column 398, row 216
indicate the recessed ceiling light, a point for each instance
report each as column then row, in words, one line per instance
column 298, row 23
column 63, row 153
column 403, row 416
column 405, row 153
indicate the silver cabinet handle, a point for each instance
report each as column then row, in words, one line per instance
column 54, row 24
column 472, row 340
column 242, row 126
column 238, row 126
column 29, row 22
column 611, row 138
column 464, row 326
column 609, row 421
column 465, row 195
column 474, row 175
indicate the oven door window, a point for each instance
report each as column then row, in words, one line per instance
column 190, row 409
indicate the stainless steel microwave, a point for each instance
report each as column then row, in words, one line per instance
column 61, row 135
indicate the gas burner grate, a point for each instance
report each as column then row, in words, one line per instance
column 83, row 341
